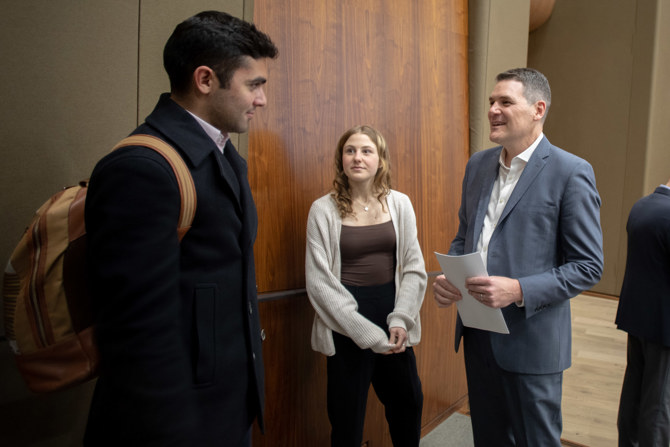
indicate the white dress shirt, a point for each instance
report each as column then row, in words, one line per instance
column 215, row 134
column 502, row 190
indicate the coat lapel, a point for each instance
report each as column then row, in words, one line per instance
column 535, row 165
column 486, row 178
column 197, row 148
column 663, row 191
column 228, row 171
column 245, row 201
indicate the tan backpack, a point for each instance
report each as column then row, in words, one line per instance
column 48, row 318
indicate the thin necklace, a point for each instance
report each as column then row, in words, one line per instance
column 366, row 207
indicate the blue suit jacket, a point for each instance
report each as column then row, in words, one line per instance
column 177, row 323
column 549, row 238
column 644, row 304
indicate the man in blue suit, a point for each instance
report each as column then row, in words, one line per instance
column 533, row 212
column 644, row 312
column 177, row 323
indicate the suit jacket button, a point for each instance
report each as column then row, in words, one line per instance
column 251, row 309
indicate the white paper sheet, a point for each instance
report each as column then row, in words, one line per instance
column 473, row 313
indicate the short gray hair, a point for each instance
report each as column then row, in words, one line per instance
column 535, row 84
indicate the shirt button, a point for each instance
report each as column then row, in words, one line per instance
column 263, row 334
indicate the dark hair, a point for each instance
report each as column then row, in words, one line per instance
column 382, row 182
column 535, row 85
column 216, row 40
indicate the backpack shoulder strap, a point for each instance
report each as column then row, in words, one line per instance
column 183, row 174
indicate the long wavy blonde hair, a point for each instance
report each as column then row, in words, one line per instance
column 382, row 182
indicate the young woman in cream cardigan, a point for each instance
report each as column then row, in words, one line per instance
column 366, row 279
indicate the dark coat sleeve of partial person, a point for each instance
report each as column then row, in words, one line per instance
column 177, row 323
column 644, row 304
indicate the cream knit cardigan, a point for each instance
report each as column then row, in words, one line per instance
column 336, row 309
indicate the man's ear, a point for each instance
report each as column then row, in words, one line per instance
column 204, row 79
column 540, row 110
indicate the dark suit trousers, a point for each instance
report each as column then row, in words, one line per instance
column 510, row 409
column 644, row 408
column 394, row 378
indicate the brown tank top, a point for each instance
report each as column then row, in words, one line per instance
column 368, row 254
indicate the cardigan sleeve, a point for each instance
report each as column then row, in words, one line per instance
column 411, row 271
column 331, row 300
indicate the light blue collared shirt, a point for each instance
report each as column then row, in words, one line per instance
column 215, row 134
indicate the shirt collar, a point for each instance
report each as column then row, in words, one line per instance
column 215, row 134
column 525, row 155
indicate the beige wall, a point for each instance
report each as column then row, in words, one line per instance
column 491, row 53
column 658, row 164
column 608, row 65
column 76, row 77
column 67, row 96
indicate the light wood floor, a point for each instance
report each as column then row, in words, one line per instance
column 591, row 387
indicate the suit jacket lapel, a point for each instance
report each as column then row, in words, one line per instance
column 486, row 178
column 535, row 165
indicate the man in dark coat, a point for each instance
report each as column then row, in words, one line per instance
column 177, row 323
column 644, row 312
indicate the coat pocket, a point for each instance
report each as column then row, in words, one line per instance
column 205, row 333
